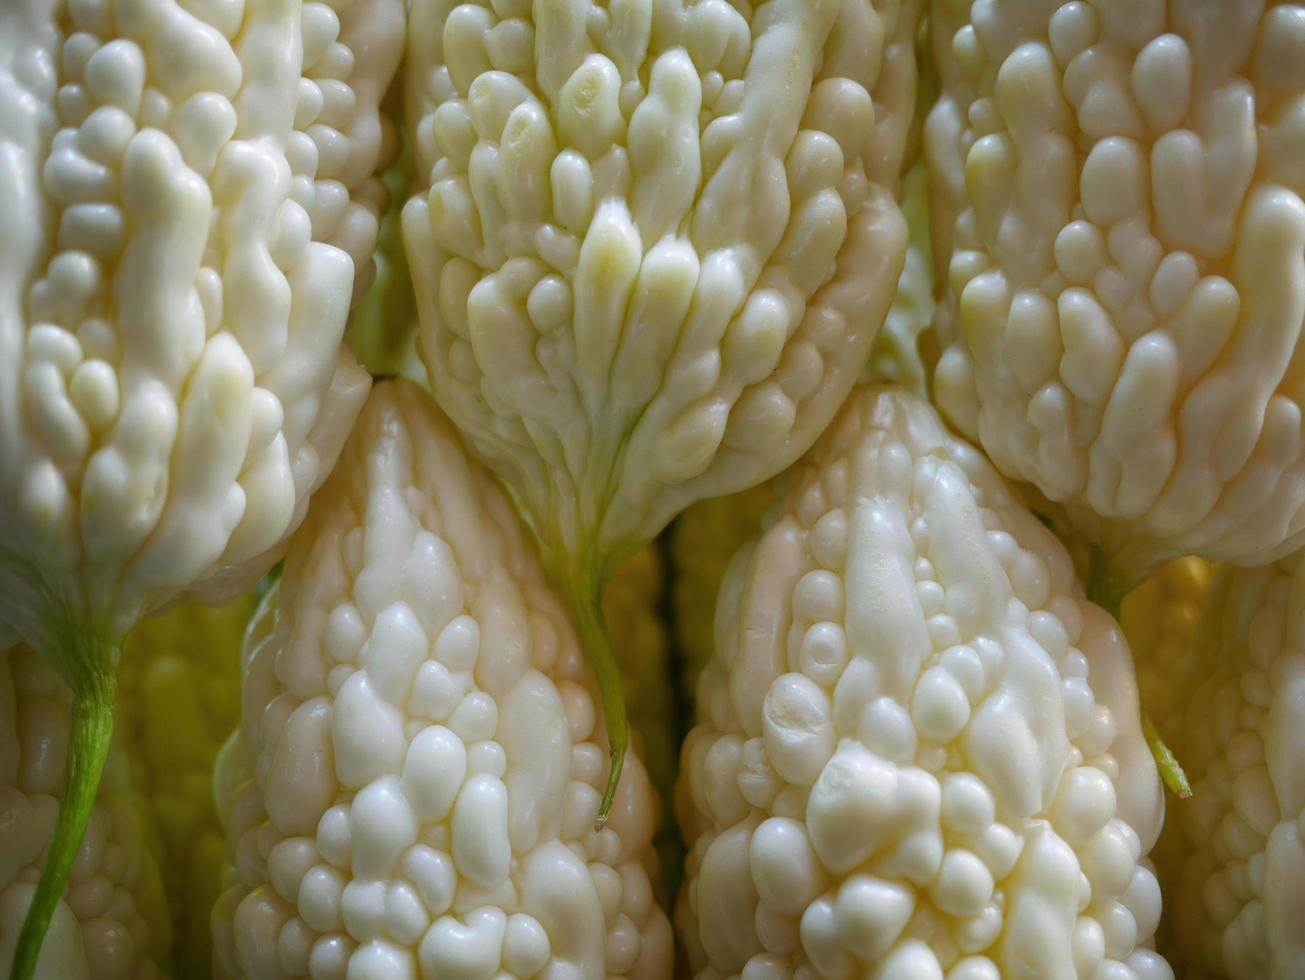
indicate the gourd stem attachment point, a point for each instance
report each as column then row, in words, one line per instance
column 90, row 672
column 1170, row 769
column 1104, row 589
column 584, row 593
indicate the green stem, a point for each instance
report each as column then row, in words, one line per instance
column 1103, row 588
column 382, row 323
column 1170, row 769
column 91, row 675
column 1106, row 591
column 584, row 592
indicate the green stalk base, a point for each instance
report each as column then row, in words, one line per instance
column 584, row 593
column 88, row 667
column 1170, row 769
column 1106, row 591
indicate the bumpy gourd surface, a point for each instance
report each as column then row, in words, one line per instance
column 919, row 750
column 111, row 924
column 421, row 728
column 187, row 192
column 1162, row 620
column 653, row 241
column 1236, row 876
column 178, row 699
column 707, row 534
column 1117, row 194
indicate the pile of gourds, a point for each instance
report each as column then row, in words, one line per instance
column 481, row 482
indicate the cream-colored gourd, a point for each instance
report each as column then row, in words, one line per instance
column 187, row 191
column 1117, row 194
column 1234, row 854
column 426, row 753
column 112, row 922
column 918, row 749
column 707, row 534
column 651, row 247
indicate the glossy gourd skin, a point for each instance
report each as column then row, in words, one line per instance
column 1117, row 212
column 112, row 923
column 189, row 208
column 426, row 758
column 651, row 246
column 918, row 747
column 652, row 275
column 188, row 194
column 651, row 243
column 1233, row 864
column 706, row 535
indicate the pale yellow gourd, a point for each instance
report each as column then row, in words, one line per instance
column 651, row 247
column 1118, row 220
column 421, row 760
column 189, row 205
column 918, row 751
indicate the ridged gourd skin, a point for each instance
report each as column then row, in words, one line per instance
column 421, row 728
column 652, row 243
column 1233, row 860
column 651, row 246
column 178, row 699
column 918, row 752
column 188, row 192
column 112, row 923
column 708, row 533
column 1118, row 215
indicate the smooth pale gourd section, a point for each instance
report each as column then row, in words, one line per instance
column 653, row 241
column 1233, row 860
column 918, row 750
column 1119, row 188
column 421, row 731
column 112, row 923
column 192, row 207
